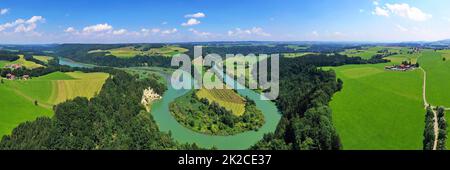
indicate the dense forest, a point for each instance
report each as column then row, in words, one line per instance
column 306, row 124
column 338, row 60
column 80, row 53
column 114, row 119
column 8, row 57
column 207, row 117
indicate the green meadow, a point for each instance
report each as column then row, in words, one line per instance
column 18, row 97
column 131, row 51
column 379, row 109
column 21, row 61
column 369, row 52
column 438, row 77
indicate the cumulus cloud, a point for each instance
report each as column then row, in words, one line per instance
column 120, row 32
column 4, row 11
column 199, row 33
column 196, row 15
column 170, row 31
column 191, row 22
column 35, row 19
column 402, row 10
column 70, row 30
column 21, row 25
column 257, row 31
column 315, row 33
column 407, row 11
column 381, row 12
column 97, row 28
column 157, row 31
column 401, row 28
column 376, row 3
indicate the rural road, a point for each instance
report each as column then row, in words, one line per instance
column 426, row 104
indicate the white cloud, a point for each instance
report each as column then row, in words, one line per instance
column 402, row 10
column 170, row 31
column 191, row 22
column 97, row 28
column 196, row 15
column 401, row 28
column 164, row 23
column 407, row 11
column 70, row 30
column 254, row 31
column 4, row 11
column 35, row 19
column 376, row 3
column 199, row 33
column 153, row 30
column 315, row 33
column 120, row 32
column 361, row 10
column 381, row 12
column 21, row 25
column 25, row 28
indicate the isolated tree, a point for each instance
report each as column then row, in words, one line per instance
column 35, row 102
column 443, row 59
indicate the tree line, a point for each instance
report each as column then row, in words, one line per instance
column 306, row 123
column 113, row 119
column 429, row 133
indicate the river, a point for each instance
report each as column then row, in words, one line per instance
column 166, row 122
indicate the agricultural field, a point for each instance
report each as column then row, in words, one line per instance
column 226, row 98
column 369, row 52
column 131, row 51
column 379, row 109
column 373, row 103
column 246, row 73
column 438, row 77
column 21, row 61
column 297, row 47
column 293, row 55
column 386, row 107
column 44, row 59
column 19, row 96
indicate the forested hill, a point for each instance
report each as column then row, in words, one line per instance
column 80, row 53
column 306, row 124
column 114, row 119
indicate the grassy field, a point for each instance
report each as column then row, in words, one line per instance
column 369, row 52
column 44, row 59
column 226, row 98
column 293, row 55
column 438, row 77
column 18, row 96
column 21, row 61
column 131, row 51
column 379, row 109
column 297, row 47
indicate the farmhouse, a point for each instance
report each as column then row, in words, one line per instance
column 401, row 67
column 25, row 77
column 10, row 76
column 14, row 66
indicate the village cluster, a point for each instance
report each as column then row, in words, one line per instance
column 405, row 66
column 11, row 76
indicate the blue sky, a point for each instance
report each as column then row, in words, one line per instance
column 114, row 21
